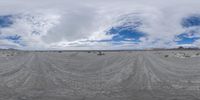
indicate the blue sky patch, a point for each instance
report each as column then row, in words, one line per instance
column 6, row 21
column 191, row 21
column 186, row 38
column 15, row 39
column 126, row 33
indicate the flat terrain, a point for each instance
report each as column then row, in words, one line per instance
column 125, row 75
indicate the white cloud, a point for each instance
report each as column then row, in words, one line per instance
column 73, row 24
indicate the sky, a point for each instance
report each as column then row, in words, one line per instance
column 99, row 24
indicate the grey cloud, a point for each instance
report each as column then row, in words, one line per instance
column 91, row 18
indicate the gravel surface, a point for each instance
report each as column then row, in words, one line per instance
column 125, row 75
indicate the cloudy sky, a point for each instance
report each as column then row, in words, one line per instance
column 99, row 24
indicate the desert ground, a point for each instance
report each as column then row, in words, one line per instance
column 92, row 75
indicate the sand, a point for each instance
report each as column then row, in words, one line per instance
column 125, row 75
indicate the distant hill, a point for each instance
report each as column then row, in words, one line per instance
column 178, row 48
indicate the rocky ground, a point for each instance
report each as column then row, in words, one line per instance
column 125, row 75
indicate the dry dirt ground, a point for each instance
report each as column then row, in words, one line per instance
column 125, row 75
